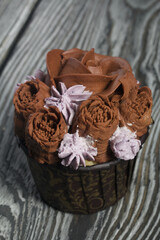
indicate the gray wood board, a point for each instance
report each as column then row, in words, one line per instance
column 13, row 17
column 126, row 28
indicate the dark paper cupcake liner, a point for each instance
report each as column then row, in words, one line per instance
column 83, row 191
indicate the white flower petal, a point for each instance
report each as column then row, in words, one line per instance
column 63, row 88
column 55, row 92
column 75, row 89
column 79, row 150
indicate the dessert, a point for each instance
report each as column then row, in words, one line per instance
column 81, row 125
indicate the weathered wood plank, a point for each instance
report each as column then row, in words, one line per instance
column 130, row 29
column 13, row 16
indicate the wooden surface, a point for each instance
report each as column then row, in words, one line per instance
column 28, row 29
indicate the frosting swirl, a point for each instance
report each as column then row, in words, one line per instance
column 44, row 131
column 136, row 110
column 99, row 73
column 67, row 100
column 74, row 150
column 28, row 98
column 124, row 143
column 97, row 117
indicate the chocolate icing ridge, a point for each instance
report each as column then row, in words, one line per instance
column 98, row 72
column 53, row 61
column 94, row 83
column 44, row 131
column 28, row 99
column 97, row 117
column 137, row 109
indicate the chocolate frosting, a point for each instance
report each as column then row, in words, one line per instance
column 98, row 118
column 99, row 73
column 28, row 99
column 136, row 110
column 116, row 100
column 44, row 131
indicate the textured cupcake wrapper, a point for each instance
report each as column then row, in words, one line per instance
column 84, row 191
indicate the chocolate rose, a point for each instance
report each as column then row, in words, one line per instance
column 136, row 110
column 99, row 73
column 28, row 99
column 44, row 131
column 98, row 118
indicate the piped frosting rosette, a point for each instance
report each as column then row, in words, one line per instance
column 98, row 73
column 98, row 118
column 136, row 110
column 28, row 98
column 67, row 100
column 45, row 130
column 74, row 150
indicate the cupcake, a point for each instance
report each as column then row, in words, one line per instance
column 81, row 125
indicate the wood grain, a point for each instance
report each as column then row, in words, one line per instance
column 14, row 16
column 130, row 29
